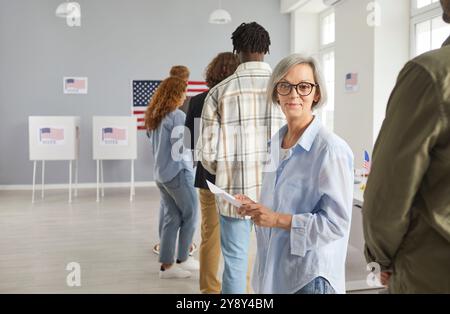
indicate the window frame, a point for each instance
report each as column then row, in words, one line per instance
column 322, row 16
column 326, row 49
column 415, row 11
column 419, row 16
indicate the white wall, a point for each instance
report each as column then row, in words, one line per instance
column 391, row 53
column 287, row 6
column 377, row 54
column 354, row 53
column 305, row 35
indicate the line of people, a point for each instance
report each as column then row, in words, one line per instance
column 260, row 140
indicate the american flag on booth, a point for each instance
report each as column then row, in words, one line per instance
column 366, row 163
column 113, row 134
column 55, row 134
column 143, row 91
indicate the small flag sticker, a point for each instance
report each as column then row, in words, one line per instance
column 366, row 163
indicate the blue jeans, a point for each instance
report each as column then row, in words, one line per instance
column 180, row 204
column 161, row 214
column 161, row 219
column 318, row 285
column 234, row 239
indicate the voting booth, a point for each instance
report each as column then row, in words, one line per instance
column 114, row 138
column 54, row 138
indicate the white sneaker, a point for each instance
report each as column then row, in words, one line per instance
column 193, row 249
column 190, row 264
column 156, row 249
column 174, row 272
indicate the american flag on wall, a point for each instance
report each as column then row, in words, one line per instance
column 196, row 87
column 351, row 82
column 143, row 91
column 75, row 83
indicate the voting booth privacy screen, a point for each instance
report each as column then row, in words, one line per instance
column 114, row 137
column 54, row 137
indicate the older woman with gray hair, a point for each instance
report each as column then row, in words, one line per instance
column 303, row 216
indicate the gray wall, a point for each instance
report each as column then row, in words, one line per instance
column 118, row 41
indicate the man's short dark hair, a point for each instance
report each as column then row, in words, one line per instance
column 250, row 37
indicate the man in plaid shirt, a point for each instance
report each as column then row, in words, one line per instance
column 237, row 123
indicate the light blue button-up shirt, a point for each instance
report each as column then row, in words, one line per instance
column 314, row 183
column 169, row 154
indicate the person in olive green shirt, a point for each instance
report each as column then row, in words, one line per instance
column 406, row 212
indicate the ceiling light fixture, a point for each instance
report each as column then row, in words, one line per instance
column 220, row 16
column 71, row 11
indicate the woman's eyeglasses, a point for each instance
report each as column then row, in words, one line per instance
column 303, row 88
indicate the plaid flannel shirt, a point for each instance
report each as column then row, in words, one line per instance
column 236, row 126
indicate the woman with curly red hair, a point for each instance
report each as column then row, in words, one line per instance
column 173, row 173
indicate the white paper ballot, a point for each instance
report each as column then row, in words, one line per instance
column 221, row 193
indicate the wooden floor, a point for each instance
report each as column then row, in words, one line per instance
column 110, row 240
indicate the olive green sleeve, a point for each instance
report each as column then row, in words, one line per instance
column 401, row 157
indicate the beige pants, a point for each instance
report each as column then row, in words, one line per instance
column 210, row 245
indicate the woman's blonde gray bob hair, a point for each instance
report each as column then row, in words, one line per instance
column 283, row 68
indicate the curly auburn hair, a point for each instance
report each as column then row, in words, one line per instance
column 222, row 66
column 168, row 96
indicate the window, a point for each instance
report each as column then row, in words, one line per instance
column 421, row 6
column 428, row 30
column 430, row 34
column 423, row 3
column 327, row 40
column 327, row 29
column 328, row 71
